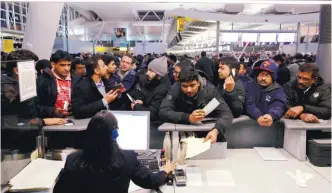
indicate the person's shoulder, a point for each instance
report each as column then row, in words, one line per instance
column 132, row 72
column 72, row 159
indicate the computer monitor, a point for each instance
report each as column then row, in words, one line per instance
column 134, row 129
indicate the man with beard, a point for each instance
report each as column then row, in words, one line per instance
column 265, row 99
column 308, row 98
column 156, row 88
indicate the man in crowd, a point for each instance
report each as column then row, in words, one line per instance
column 78, row 67
column 230, row 87
column 243, row 74
column 94, row 93
column 172, row 60
column 294, row 68
column 308, row 98
column 111, row 66
column 55, row 85
column 283, row 71
column 10, row 95
column 206, row 65
column 125, row 75
column 41, row 65
column 265, row 99
column 155, row 90
column 186, row 99
column 177, row 68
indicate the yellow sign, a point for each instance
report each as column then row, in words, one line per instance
column 180, row 24
column 8, row 45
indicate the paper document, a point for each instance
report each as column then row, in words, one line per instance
column 219, row 178
column 133, row 187
column 27, row 80
column 196, row 146
column 40, row 174
column 270, row 154
column 194, row 176
column 213, row 104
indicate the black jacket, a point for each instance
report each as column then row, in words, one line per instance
column 283, row 74
column 10, row 100
column 154, row 93
column 317, row 100
column 73, row 180
column 206, row 65
column 235, row 99
column 177, row 107
column 47, row 92
column 86, row 99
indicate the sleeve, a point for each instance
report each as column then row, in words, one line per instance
column 235, row 99
column 43, row 110
column 168, row 111
column 144, row 178
column 251, row 108
column 153, row 107
column 277, row 105
column 129, row 81
column 288, row 94
column 222, row 113
column 80, row 107
column 323, row 109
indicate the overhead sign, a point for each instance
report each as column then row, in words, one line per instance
column 8, row 45
column 180, row 24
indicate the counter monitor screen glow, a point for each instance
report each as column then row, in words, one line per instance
column 134, row 129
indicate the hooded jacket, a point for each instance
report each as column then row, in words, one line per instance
column 128, row 80
column 154, row 94
column 234, row 99
column 47, row 92
column 317, row 100
column 10, row 100
column 177, row 107
column 259, row 101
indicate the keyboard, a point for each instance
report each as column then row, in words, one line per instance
column 150, row 162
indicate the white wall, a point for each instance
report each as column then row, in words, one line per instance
column 157, row 48
column 74, row 46
column 303, row 48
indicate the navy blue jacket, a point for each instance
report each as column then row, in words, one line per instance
column 259, row 102
column 128, row 81
column 73, row 180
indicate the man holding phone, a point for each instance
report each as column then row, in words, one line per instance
column 94, row 93
column 230, row 87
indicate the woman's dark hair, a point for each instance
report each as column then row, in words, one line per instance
column 188, row 75
column 141, row 78
column 99, row 149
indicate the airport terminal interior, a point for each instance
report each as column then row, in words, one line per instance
column 166, row 96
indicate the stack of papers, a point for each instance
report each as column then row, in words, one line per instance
column 196, row 146
column 40, row 174
column 270, row 154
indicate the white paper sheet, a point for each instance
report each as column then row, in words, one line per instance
column 194, row 176
column 270, row 154
column 133, row 187
column 39, row 174
column 27, row 80
column 219, row 178
column 211, row 106
column 196, row 146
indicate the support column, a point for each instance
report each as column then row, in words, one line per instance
column 42, row 24
column 298, row 37
column 324, row 46
column 217, row 37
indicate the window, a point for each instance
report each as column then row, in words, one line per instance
column 24, row 11
column 17, row 18
column 3, row 23
column 16, row 9
column 3, row 14
column 3, row 5
column 10, row 6
column 24, row 20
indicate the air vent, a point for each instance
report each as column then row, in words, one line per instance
column 151, row 15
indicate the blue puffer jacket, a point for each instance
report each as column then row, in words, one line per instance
column 259, row 101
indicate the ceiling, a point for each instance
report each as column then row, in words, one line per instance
column 127, row 15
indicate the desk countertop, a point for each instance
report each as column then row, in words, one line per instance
column 299, row 124
column 252, row 174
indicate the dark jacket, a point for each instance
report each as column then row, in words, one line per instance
column 234, row 99
column 128, row 81
column 154, row 93
column 259, row 101
column 177, row 107
column 317, row 100
column 47, row 92
column 10, row 100
column 86, row 99
column 73, row 180
column 170, row 74
column 283, row 74
column 245, row 79
column 206, row 65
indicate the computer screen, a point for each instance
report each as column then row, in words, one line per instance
column 134, row 129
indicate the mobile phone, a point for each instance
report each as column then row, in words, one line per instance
column 69, row 122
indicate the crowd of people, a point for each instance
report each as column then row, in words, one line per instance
column 172, row 88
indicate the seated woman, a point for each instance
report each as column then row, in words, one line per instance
column 101, row 166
